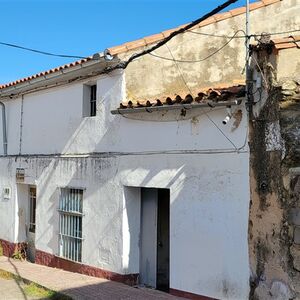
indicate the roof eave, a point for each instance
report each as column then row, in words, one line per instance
column 87, row 69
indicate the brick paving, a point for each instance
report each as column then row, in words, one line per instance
column 79, row 286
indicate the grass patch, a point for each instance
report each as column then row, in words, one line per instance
column 34, row 290
column 8, row 276
column 1, row 249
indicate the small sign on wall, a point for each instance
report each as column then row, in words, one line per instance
column 20, row 174
column 6, row 193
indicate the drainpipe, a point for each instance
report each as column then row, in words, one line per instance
column 4, row 128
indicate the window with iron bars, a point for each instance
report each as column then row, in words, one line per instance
column 70, row 224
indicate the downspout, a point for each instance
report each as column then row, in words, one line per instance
column 4, row 128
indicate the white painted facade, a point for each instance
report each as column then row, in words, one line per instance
column 110, row 157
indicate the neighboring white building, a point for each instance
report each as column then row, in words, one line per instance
column 160, row 198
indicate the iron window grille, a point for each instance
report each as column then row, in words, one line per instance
column 70, row 224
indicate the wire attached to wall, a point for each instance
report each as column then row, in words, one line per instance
column 207, row 115
column 199, row 60
column 240, row 36
column 84, row 57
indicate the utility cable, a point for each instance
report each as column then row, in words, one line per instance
column 207, row 115
column 241, row 36
column 199, row 60
column 41, row 52
column 124, row 64
column 84, row 57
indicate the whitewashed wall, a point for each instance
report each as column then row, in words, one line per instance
column 7, row 206
column 209, row 192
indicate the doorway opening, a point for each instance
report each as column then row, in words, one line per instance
column 31, row 224
column 155, row 238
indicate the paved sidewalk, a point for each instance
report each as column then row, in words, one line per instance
column 12, row 290
column 79, row 286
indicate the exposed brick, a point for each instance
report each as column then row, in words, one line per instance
column 51, row 260
column 189, row 295
column 8, row 248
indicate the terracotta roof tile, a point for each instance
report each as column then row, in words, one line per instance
column 135, row 44
column 42, row 74
column 268, row 2
column 219, row 94
column 153, row 38
column 288, row 42
column 238, row 11
column 223, row 16
column 166, row 33
column 117, row 49
column 208, row 21
column 216, row 18
column 256, row 5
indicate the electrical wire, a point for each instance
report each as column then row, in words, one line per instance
column 124, row 64
column 199, row 60
column 215, row 52
column 241, row 36
column 40, row 51
column 191, row 31
column 261, row 71
column 206, row 114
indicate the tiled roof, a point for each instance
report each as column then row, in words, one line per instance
column 288, row 42
column 148, row 40
column 220, row 94
column 66, row 66
column 214, row 19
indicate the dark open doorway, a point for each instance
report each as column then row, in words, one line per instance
column 155, row 238
column 163, row 240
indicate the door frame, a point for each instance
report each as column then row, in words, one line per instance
column 149, row 244
column 31, row 222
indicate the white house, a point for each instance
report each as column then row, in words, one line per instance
column 155, row 193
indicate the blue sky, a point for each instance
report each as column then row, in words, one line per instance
column 84, row 27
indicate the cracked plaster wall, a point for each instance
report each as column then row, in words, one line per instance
column 275, row 161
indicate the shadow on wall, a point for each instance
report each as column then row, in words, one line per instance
column 192, row 186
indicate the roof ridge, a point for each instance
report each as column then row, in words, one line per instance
column 148, row 40
column 145, row 41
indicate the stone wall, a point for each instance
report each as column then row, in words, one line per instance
column 150, row 77
column 274, row 223
column 290, row 130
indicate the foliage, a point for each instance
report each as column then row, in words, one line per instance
column 35, row 290
column 20, row 251
column 6, row 275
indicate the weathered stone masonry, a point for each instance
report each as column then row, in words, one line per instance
column 274, row 223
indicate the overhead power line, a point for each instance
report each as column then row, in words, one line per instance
column 41, row 52
column 241, row 36
column 190, row 91
column 124, row 64
column 234, row 36
column 198, row 60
